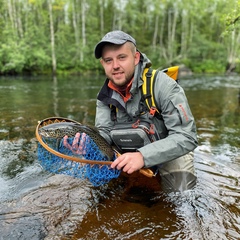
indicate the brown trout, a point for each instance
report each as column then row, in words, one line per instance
column 59, row 130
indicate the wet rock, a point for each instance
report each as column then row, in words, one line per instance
column 184, row 71
column 49, row 212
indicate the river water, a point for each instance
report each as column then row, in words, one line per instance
column 35, row 204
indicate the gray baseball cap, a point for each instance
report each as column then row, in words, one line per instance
column 115, row 37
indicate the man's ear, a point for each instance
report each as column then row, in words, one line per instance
column 137, row 57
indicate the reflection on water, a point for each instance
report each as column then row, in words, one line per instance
column 39, row 205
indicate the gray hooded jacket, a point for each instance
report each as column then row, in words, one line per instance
column 177, row 127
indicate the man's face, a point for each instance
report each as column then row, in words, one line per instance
column 119, row 62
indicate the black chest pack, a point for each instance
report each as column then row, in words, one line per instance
column 140, row 131
column 130, row 136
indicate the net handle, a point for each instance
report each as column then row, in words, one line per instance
column 145, row 171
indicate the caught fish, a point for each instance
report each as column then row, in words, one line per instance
column 59, row 130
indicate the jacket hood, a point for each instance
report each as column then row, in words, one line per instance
column 143, row 63
column 144, row 60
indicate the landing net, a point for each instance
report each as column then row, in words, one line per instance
column 84, row 162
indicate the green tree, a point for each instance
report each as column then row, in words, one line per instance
column 44, row 36
column 231, row 36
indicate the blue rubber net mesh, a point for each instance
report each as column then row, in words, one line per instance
column 97, row 174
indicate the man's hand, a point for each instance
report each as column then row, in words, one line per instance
column 129, row 162
column 78, row 145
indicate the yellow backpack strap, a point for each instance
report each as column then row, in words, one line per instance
column 148, row 85
column 148, row 77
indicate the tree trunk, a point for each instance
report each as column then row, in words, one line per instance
column 101, row 2
column 83, row 13
column 184, row 33
column 172, row 47
column 76, row 30
column 54, row 62
column 11, row 17
column 155, row 34
column 161, row 39
column 233, row 49
column 18, row 19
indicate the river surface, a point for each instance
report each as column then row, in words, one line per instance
column 35, row 204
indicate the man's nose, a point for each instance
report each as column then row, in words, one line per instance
column 115, row 64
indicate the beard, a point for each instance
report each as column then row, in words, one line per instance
column 122, row 83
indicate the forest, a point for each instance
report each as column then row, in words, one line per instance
column 59, row 36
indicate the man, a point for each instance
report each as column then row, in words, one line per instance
column 118, row 102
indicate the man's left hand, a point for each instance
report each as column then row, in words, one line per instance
column 129, row 162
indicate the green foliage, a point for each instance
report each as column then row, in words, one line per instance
column 208, row 66
column 195, row 33
column 232, row 18
column 206, row 56
column 12, row 58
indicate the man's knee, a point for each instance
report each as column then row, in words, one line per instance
column 178, row 181
column 178, row 174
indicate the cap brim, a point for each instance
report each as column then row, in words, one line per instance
column 100, row 45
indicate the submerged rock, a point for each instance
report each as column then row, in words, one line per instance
column 49, row 212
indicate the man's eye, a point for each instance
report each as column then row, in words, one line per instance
column 122, row 57
column 107, row 60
